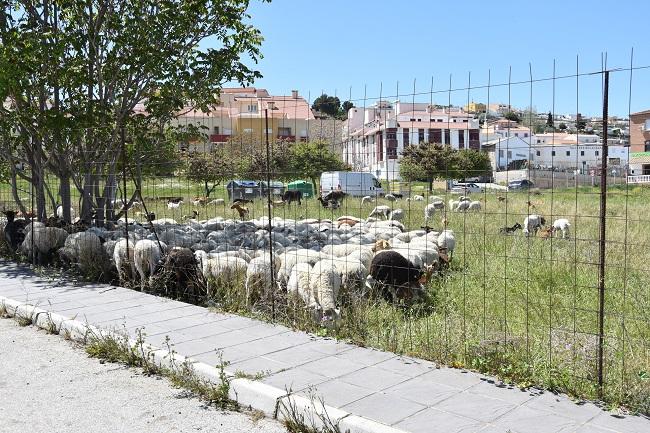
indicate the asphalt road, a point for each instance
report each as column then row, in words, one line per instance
column 50, row 385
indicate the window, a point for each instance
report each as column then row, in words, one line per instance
column 421, row 135
column 568, row 153
column 516, row 134
column 461, row 139
column 646, row 148
column 216, row 129
column 284, row 132
column 248, row 130
column 447, row 136
column 252, row 108
column 465, row 120
column 435, row 136
column 510, row 154
column 391, row 134
column 500, row 153
column 525, row 134
column 553, row 153
column 439, row 120
column 454, row 121
column 539, row 153
column 405, row 136
column 647, row 125
column 412, row 120
column 597, row 153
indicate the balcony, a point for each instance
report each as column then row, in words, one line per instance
column 289, row 138
column 219, row 138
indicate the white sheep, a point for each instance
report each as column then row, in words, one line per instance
column 174, row 205
column 86, row 249
column 220, row 266
column 397, row 215
column 298, row 283
column 438, row 204
column 366, row 199
column 463, row 206
column 259, row 275
column 352, row 271
column 381, row 210
column 532, row 223
column 563, row 225
column 429, row 212
column 45, row 240
column 146, row 256
column 474, row 206
column 433, row 198
column 325, row 283
column 453, row 204
column 447, row 241
column 390, row 197
column 217, row 202
column 417, row 197
column 59, row 212
column 124, row 260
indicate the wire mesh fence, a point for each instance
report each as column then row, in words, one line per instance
column 379, row 229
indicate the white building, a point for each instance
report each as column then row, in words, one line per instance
column 374, row 138
column 559, row 151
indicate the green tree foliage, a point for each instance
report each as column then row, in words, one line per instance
column 79, row 73
column 428, row 162
column 330, row 105
column 562, row 126
column 345, row 107
column 511, row 115
column 581, row 124
column 549, row 120
column 210, row 168
column 309, row 160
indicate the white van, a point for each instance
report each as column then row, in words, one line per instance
column 354, row 183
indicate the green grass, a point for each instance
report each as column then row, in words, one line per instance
column 525, row 309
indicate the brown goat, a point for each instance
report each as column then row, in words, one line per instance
column 501, row 198
column 242, row 210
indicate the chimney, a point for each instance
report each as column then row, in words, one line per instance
column 294, row 94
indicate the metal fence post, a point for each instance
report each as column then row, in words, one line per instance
column 601, row 252
column 269, row 208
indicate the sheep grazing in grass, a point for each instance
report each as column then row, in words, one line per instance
column 532, row 223
column 463, row 206
column 220, row 268
column 325, row 284
column 260, row 273
column 563, row 225
column 124, row 259
column 507, row 230
column 438, row 204
column 13, row 230
column 241, row 210
column 366, row 199
column 298, row 282
column 45, row 241
column 380, row 211
column 86, row 249
column 429, row 212
column 180, row 274
column 417, row 197
column 433, row 198
column 447, row 242
column 329, row 204
column 397, row 215
column 199, row 201
column 174, row 205
column 217, row 202
column 453, row 204
column 398, row 279
column 352, row 271
column 474, row 206
column 146, row 256
column 390, row 197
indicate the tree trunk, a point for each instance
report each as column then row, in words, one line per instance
column 64, row 193
column 430, row 185
column 313, row 182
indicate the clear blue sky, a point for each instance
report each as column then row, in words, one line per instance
column 334, row 46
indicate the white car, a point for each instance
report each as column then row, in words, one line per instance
column 466, row 188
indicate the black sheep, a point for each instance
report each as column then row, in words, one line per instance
column 335, row 195
column 13, row 230
column 398, row 276
column 181, row 276
column 292, row 195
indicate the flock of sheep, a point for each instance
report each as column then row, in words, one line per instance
column 314, row 260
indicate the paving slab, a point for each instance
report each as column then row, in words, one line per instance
column 375, row 391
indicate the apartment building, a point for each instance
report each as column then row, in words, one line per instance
column 244, row 110
column 374, row 137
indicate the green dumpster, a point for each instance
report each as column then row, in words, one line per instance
column 301, row 185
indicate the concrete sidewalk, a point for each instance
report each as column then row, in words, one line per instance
column 369, row 390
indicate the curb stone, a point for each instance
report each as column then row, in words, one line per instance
column 268, row 399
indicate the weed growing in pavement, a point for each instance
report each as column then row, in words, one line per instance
column 296, row 421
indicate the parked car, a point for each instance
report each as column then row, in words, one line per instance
column 522, row 184
column 466, row 188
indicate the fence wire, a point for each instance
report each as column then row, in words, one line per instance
column 536, row 271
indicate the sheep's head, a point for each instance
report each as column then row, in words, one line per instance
column 516, row 226
column 331, row 319
column 380, row 245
